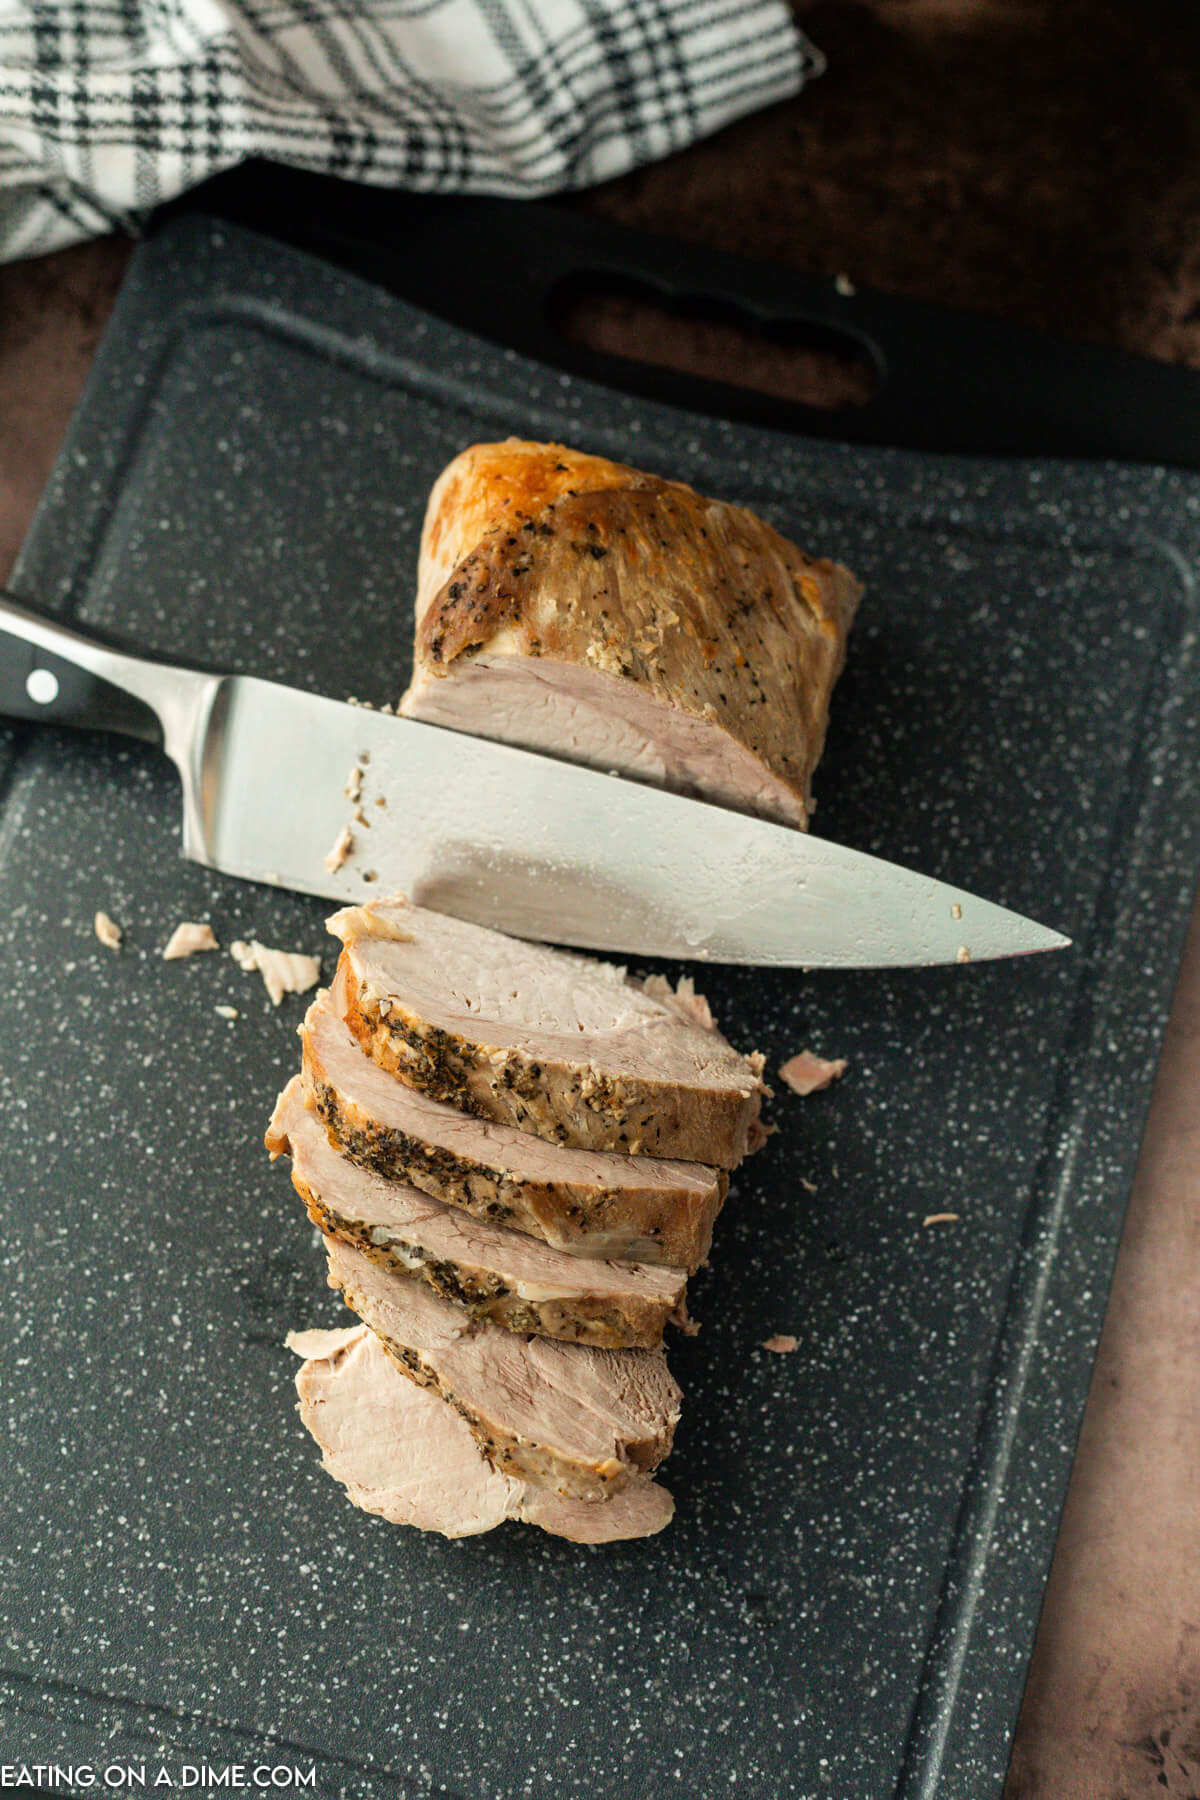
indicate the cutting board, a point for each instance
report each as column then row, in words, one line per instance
column 846, row 1600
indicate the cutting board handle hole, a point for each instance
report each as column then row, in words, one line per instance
column 799, row 360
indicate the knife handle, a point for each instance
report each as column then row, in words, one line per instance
column 56, row 675
column 54, row 687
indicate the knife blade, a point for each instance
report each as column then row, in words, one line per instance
column 509, row 838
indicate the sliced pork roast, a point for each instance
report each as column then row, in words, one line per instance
column 570, row 1049
column 581, row 1422
column 491, row 1272
column 589, row 1202
column 403, row 1453
column 570, row 604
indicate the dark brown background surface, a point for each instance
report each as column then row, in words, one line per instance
column 1041, row 162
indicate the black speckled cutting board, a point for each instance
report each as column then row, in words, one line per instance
column 846, row 1601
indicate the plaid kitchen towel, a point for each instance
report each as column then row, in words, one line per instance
column 109, row 106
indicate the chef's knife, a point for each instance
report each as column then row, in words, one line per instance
column 338, row 800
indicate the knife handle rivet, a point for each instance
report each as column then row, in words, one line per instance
column 42, row 686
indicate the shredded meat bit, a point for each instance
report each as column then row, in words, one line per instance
column 354, row 922
column 187, row 939
column 758, row 1133
column 226, row 1012
column 108, row 931
column 341, row 848
column 781, row 1343
column 682, row 999
column 806, row 1072
column 283, row 971
column 947, row 1218
column 683, row 1320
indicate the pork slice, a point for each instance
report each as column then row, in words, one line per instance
column 574, row 605
column 401, row 1452
column 594, row 1203
column 567, row 1048
column 560, row 1416
column 493, row 1273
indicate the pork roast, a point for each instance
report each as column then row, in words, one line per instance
column 570, row 604
column 402, row 1453
column 491, row 1272
column 589, row 1202
column 578, row 1421
column 570, row 1049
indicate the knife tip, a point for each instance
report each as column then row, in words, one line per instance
column 1010, row 936
column 1038, row 939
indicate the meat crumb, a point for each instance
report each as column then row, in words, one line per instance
column 809, row 1186
column 947, row 1218
column 964, row 955
column 226, row 1012
column 806, row 1073
column 353, row 786
column 108, row 931
column 956, row 911
column 340, row 849
column 844, row 286
column 781, row 1343
column 283, row 971
column 187, row 939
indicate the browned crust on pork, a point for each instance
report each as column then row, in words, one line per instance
column 500, row 486
column 562, row 1103
column 671, row 1228
column 698, row 601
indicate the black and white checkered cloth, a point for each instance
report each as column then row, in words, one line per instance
column 109, row 106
